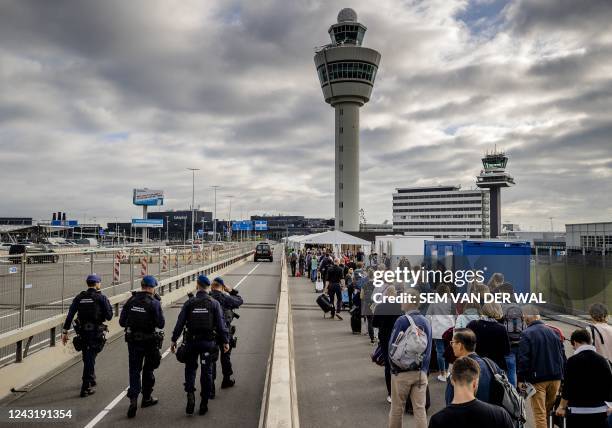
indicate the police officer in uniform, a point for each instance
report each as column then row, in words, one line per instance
column 140, row 317
column 202, row 319
column 229, row 300
column 92, row 308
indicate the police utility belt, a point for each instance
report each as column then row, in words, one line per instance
column 156, row 337
column 209, row 336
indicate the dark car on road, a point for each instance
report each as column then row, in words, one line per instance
column 263, row 251
column 33, row 254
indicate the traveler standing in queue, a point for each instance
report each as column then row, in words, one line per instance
column 410, row 384
column 385, row 315
column 541, row 362
column 491, row 336
column 441, row 318
column 467, row 411
column 229, row 299
column 601, row 331
column 92, row 308
column 202, row 318
column 313, row 267
column 464, row 345
column 293, row 258
column 140, row 316
column 587, row 385
column 333, row 288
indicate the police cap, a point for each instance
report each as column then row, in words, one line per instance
column 219, row 280
column 93, row 279
column 203, row 281
column 149, row 281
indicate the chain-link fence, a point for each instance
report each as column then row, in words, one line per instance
column 571, row 282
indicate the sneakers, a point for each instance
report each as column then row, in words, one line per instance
column 149, row 401
column 389, row 399
column 133, row 407
column 228, row 383
column 441, row 378
column 190, row 403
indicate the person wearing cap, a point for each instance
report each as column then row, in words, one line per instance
column 202, row 325
column 141, row 316
column 229, row 299
column 92, row 308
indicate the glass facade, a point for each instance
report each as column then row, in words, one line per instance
column 347, row 70
column 351, row 34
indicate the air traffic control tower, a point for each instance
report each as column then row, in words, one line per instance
column 494, row 177
column 347, row 71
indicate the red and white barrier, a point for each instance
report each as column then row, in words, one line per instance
column 165, row 263
column 117, row 268
column 143, row 266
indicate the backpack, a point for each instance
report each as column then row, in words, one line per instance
column 293, row 257
column 514, row 323
column 408, row 350
column 505, row 395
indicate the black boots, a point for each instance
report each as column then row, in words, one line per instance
column 227, row 383
column 190, row 403
column 87, row 391
column 203, row 408
column 133, row 407
column 148, row 401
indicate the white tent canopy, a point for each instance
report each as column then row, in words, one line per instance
column 333, row 237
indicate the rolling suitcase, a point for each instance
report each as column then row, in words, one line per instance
column 345, row 298
column 324, row 303
column 319, row 284
column 555, row 421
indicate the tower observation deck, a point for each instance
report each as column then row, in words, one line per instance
column 346, row 73
column 494, row 177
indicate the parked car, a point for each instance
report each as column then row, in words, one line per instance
column 34, row 254
column 263, row 251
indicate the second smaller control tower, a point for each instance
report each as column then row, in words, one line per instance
column 494, row 177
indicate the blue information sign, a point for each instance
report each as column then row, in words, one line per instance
column 261, row 225
column 148, row 222
column 242, row 225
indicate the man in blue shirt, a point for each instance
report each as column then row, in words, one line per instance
column 464, row 344
column 410, row 383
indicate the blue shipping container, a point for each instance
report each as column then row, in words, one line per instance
column 511, row 258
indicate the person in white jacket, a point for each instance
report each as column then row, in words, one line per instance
column 441, row 318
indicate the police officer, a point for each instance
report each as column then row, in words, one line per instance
column 202, row 319
column 229, row 300
column 92, row 309
column 141, row 315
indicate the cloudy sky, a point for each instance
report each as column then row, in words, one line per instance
column 99, row 97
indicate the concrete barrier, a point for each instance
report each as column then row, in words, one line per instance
column 279, row 404
column 46, row 363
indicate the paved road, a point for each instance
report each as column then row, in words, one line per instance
column 337, row 384
column 239, row 406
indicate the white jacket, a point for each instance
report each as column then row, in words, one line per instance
column 439, row 315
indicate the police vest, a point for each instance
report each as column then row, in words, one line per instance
column 140, row 316
column 228, row 314
column 201, row 318
column 89, row 308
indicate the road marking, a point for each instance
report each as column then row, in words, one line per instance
column 119, row 397
column 245, row 277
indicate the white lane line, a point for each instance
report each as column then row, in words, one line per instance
column 119, row 397
column 245, row 277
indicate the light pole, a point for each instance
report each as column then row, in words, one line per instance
column 193, row 170
column 229, row 222
column 167, row 230
column 215, row 214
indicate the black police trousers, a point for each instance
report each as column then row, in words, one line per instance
column 204, row 353
column 89, row 352
column 144, row 357
column 226, row 364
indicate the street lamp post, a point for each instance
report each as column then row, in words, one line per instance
column 229, row 222
column 215, row 215
column 193, row 170
column 167, row 231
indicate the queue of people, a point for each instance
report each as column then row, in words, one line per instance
column 492, row 357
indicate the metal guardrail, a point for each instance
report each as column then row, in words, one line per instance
column 49, row 326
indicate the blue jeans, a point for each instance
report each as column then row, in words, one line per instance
column 204, row 353
column 511, row 363
column 439, row 344
column 313, row 275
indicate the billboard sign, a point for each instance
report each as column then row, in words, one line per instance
column 261, row 225
column 148, row 197
column 242, row 225
column 69, row 223
column 148, row 222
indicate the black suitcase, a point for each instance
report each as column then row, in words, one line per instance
column 427, row 402
column 356, row 321
column 324, row 303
